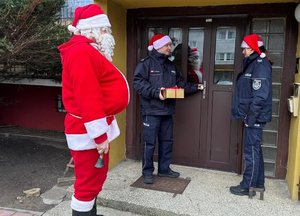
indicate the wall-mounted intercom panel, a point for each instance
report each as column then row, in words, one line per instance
column 293, row 100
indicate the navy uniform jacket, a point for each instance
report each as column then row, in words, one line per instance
column 152, row 73
column 252, row 100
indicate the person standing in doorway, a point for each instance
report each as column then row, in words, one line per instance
column 195, row 72
column 252, row 103
column 153, row 74
column 93, row 91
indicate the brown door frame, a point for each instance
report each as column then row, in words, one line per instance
column 288, row 79
column 134, row 16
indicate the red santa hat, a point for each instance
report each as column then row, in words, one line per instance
column 194, row 52
column 89, row 16
column 158, row 41
column 253, row 41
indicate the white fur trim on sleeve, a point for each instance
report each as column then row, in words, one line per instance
column 96, row 128
column 113, row 131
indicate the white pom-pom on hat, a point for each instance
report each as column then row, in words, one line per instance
column 150, row 48
column 72, row 28
column 262, row 55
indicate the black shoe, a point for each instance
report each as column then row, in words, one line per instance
column 170, row 174
column 148, row 179
column 238, row 190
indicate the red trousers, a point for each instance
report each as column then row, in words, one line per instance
column 88, row 179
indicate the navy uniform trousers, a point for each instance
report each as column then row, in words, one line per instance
column 157, row 127
column 253, row 158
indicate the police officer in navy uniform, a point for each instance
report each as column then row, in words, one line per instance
column 153, row 74
column 252, row 103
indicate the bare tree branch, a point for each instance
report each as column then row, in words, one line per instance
column 29, row 35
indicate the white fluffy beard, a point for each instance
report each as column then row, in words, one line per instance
column 104, row 40
column 195, row 63
column 107, row 45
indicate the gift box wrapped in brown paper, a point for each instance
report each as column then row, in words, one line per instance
column 173, row 93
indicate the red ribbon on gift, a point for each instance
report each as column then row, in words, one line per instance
column 175, row 87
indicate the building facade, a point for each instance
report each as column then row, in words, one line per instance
column 205, row 135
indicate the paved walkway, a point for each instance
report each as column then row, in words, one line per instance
column 18, row 212
column 207, row 194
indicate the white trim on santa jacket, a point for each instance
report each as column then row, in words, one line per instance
column 82, row 206
column 85, row 141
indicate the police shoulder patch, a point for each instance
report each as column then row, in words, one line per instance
column 256, row 84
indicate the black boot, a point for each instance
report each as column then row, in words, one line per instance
column 94, row 210
column 238, row 190
column 77, row 213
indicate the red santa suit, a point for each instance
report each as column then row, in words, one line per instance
column 93, row 91
column 194, row 69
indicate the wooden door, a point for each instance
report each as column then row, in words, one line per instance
column 205, row 135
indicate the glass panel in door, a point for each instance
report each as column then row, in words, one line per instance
column 187, row 56
column 195, row 55
column 224, row 55
column 154, row 31
column 222, row 137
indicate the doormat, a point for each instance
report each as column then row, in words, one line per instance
column 170, row 185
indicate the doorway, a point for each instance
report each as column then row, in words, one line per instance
column 205, row 50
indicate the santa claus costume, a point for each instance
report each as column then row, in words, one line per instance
column 194, row 67
column 93, row 90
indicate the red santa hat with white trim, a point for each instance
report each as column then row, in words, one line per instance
column 89, row 16
column 253, row 41
column 158, row 41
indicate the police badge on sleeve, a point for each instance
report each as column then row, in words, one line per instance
column 256, row 84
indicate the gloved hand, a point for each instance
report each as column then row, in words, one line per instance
column 103, row 147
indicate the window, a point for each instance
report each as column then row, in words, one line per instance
column 67, row 11
column 60, row 105
column 231, row 35
column 225, row 56
column 220, row 56
column 226, row 33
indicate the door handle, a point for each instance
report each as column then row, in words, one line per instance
column 204, row 89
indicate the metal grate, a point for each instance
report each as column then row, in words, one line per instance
column 170, row 185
